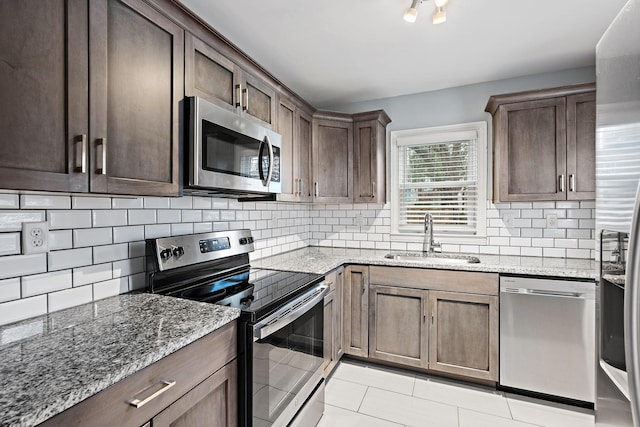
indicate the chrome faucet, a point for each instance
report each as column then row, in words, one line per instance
column 429, row 245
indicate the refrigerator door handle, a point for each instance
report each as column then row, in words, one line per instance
column 632, row 313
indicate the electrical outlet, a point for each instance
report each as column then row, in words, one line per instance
column 359, row 220
column 35, row 237
column 552, row 221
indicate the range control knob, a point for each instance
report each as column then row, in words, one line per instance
column 165, row 254
column 178, row 251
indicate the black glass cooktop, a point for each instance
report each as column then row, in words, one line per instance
column 257, row 292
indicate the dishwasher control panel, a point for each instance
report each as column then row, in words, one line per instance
column 550, row 287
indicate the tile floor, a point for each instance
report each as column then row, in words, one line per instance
column 362, row 395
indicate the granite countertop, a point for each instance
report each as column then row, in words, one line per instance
column 321, row 260
column 52, row 362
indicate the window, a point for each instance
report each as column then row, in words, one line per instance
column 441, row 170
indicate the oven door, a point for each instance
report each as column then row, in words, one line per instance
column 231, row 153
column 287, row 359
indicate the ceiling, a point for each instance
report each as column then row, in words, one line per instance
column 332, row 52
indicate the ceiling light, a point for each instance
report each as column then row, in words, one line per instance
column 411, row 14
column 439, row 16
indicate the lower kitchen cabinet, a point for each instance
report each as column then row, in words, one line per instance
column 356, row 307
column 213, row 403
column 397, row 325
column 196, row 383
column 463, row 337
column 332, row 340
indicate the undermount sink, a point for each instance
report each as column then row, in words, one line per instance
column 433, row 258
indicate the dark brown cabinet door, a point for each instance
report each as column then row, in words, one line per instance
column 333, row 160
column 328, row 332
column 463, row 338
column 136, row 85
column 369, row 146
column 530, row 144
column 303, row 156
column 212, row 403
column 355, row 309
column 581, row 146
column 258, row 100
column 287, row 129
column 210, row 75
column 43, row 106
column 398, row 325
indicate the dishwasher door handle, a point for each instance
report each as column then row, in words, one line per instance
column 538, row 292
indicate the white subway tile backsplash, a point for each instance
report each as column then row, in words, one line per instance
column 180, row 229
column 12, row 220
column 554, row 252
column 9, row 201
column 169, row 215
column 567, row 205
column 206, row 227
column 128, row 267
column 220, row 204
column 192, row 216
column 92, row 237
column 82, row 202
column 531, row 213
column 136, row 249
column 142, row 216
column 9, row 289
column 91, row 274
column 128, row 234
column 109, row 218
column 127, row 203
column 185, row 202
column 66, row 219
column 201, row 202
column 531, row 232
column 210, row 215
column 70, row 258
column 29, row 201
column 136, row 282
column 110, row 253
column 578, row 253
column 39, row 284
column 110, row 288
column 579, row 213
column 568, row 223
column 10, row 244
column 60, row 239
column 542, row 243
column 509, row 250
column 157, row 203
column 21, row 309
column 531, row 252
column 21, row 265
column 543, row 205
column 227, row 215
column 69, row 298
column 559, row 233
column 566, row 243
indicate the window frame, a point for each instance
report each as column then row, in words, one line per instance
column 432, row 134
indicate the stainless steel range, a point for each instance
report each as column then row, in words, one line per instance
column 281, row 323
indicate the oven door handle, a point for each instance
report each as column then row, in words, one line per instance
column 290, row 312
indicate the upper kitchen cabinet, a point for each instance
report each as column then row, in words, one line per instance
column 43, row 107
column 216, row 78
column 369, row 149
column 126, row 92
column 349, row 157
column 332, row 157
column 136, row 85
column 294, row 125
column 544, row 144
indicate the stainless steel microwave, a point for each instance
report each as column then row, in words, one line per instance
column 230, row 155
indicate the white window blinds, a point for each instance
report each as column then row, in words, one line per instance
column 438, row 173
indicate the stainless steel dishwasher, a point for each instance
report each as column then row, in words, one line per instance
column 547, row 336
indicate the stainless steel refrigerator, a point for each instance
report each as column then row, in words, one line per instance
column 618, row 220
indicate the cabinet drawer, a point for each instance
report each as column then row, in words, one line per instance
column 438, row 280
column 188, row 367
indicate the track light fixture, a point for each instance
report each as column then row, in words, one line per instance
column 439, row 15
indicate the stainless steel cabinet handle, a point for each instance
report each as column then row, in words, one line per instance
column 238, row 97
column 315, row 185
column 373, row 189
column 572, row 182
column 245, row 107
column 80, row 153
column 101, row 160
column 561, row 183
column 139, row 403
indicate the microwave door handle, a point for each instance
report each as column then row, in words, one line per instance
column 632, row 312
column 260, row 169
column 268, row 180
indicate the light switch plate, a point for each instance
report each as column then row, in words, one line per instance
column 552, row 221
column 508, row 218
column 35, row 237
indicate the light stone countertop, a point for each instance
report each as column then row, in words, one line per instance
column 52, row 362
column 321, row 260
